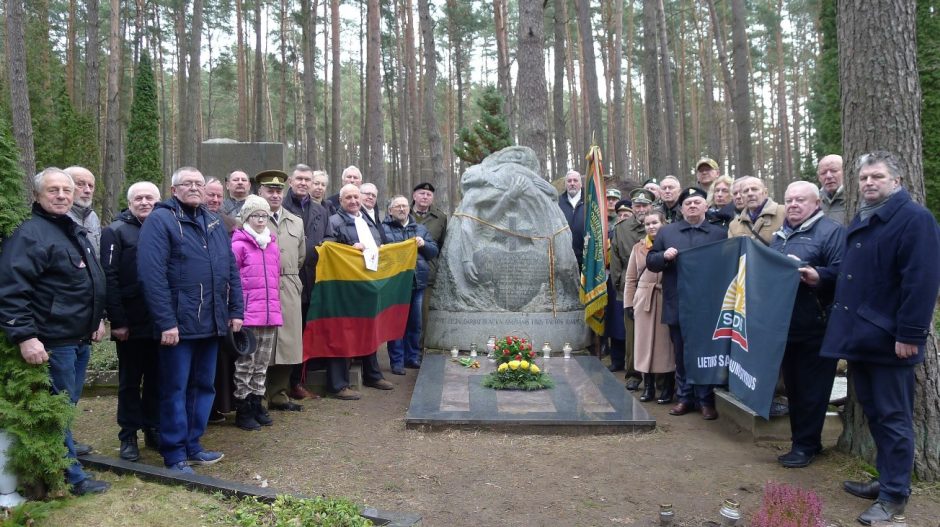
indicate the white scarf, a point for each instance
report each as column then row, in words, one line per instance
column 263, row 238
column 364, row 233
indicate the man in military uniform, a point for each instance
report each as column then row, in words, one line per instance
column 626, row 233
column 435, row 221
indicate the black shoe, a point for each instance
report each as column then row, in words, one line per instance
column 413, row 365
column 633, row 384
column 261, row 415
column 669, row 389
column 615, row 367
column 285, row 407
column 81, row 449
column 880, row 511
column 398, row 370
column 90, row 486
column 216, row 417
column 868, row 490
column 245, row 415
column 152, row 438
column 649, row 387
column 129, row 450
column 797, row 458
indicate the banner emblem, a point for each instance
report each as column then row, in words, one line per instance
column 732, row 319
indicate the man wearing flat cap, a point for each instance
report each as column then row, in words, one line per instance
column 613, row 196
column 435, row 221
column 288, row 348
column 706, row 172
column 626, row 233
column 687, row 232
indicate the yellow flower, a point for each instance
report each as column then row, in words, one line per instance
column 503, row 367
column 514, row 364
column 534, row 369
column 524, row 365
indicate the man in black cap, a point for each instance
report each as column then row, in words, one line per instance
column 435, row 221
column 691, row 230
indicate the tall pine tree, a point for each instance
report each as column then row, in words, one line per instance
column 143, row 135
column 489, row 134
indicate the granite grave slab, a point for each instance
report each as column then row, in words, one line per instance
column 586, row 399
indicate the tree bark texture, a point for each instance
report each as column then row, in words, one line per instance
column 19, row 92
column 619, row 141
column 241, row 71
column 112, row 173
column 672, row 132
column 533, row 96
column 310, row 93
column 655, row 136
column 336, row 158
column 503, row 75
column 183, row 139
column 558, row 90
column 376, row 121
column 193, row 115
column 440, row 180
column 742, row 95
column 92, row 61
column 881, row 107
column 258, row 133
column 595, row 130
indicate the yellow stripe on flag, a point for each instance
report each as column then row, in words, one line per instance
column 346, row 263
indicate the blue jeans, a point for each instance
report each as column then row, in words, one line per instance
column 187, row 389
column 408, row 348
column 67, row 365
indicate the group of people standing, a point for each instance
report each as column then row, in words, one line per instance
column 867, row 290
column 200, row 290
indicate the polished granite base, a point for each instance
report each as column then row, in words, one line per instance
column 586, row 398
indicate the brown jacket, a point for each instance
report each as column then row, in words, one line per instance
column 652, row 346
column 768, row 222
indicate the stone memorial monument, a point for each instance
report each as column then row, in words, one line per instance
column 507, row 267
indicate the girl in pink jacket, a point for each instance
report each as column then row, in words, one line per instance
column 258, row 259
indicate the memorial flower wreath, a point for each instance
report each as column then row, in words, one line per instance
column 516, row 368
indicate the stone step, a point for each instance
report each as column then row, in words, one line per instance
column 316, row 379
column 777, row 428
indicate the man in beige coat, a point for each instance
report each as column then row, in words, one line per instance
column 288, row 350
column 761, row 217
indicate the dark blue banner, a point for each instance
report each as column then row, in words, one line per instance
column 735, row 302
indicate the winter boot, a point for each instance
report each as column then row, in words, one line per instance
column 245, row 415
column 649, row 387
column 669, row 388
column 260, row 413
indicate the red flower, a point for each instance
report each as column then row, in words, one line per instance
column 505, row 352
column 531, row 353
column 518, row 357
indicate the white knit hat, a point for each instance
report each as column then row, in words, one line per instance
column 253, row 204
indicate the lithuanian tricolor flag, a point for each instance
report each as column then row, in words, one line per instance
column 354, row 310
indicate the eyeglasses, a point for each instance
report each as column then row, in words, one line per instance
column 191, row 184
column 263, row 217
column 402, row 206
column 370, row 194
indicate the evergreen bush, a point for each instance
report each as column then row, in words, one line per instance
column 489, row 134
column 143, row 135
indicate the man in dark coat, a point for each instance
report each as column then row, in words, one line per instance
column 351, row 176
column 348, row 226
column 691, row 230
column 316, row 221
column 52, row 298
column 571, row 204
column 193, row 290
column 817, row 241
column 435, row 221
column 400, row 226
column 131, row 324
column 886, row 291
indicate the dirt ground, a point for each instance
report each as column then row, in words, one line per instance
column 361, row 450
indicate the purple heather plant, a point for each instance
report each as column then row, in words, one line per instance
column 788, row 506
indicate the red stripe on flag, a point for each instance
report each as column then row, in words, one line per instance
column 347, row 337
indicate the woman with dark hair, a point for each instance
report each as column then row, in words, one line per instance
column 643, row 302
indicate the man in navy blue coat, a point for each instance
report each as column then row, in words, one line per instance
column 881, row 317
column 193, row 290
column 691, row 230
column 817, row 241
column 571, row 204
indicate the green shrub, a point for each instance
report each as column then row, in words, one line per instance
column 288, row 511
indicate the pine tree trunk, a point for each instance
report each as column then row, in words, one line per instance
column 595, row 130
column 375, row 126
column 112, row 174
column 558, row 90
column 742, row 98
column 619, row 141
column 258, row 133
column 503, row 75
column 881, row 109
column 533, row 129
column 241, row 72
column 309, row 14
column 655, row 135
column 193, row 113
column 412, row 175
column 183, row 139
column 336, row 158
column 92, row 61
column 672, row 134
column 19, row 92
column 440, row 180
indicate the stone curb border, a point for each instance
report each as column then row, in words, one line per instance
column 227, row 488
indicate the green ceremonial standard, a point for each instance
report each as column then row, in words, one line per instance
column 352, row 309
column 593, row 290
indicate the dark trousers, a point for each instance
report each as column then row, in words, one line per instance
column 138, row 406
column 808, row 379
column 692, row 394
column 886, row 394
column 337, row 372
column 187, row 373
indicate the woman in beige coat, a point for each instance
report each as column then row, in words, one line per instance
column 643, row 302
